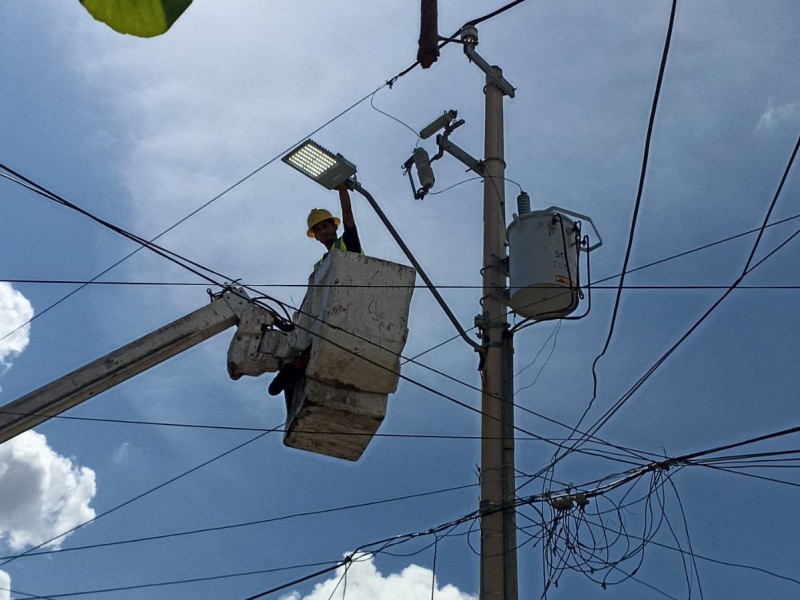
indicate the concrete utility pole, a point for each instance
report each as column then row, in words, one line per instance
column 498, row 573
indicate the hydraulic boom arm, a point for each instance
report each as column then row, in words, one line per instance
column 52, row 399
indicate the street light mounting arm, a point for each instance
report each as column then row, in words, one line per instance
column 475, row 346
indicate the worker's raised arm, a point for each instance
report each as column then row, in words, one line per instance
column 347, row 210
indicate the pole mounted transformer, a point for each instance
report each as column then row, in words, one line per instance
column 543, row 260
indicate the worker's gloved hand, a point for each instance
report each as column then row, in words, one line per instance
column 289, row 374
column 347, row 185
column 285, row 377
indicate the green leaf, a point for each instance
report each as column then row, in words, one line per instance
column 142, row 18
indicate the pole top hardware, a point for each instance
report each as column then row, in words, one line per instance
column 469, row 37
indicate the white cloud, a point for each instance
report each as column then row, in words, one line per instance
column 365, row 582
column 121, row 454
column 5, row 586
column 42, row 493
column 15, row 309
column 776, row 115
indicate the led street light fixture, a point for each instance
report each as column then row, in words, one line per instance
column 326, row 168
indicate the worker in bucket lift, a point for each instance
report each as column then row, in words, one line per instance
column 323, row 227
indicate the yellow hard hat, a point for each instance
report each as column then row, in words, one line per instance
column 318, row 215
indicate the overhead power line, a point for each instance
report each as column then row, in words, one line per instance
column 192, row 213
column 253, row 523
column 747, row 269
column 41, row 190
column 142, row 495
column 599, row 487
column 637, row 204
column 634, row 287
column 160, row 584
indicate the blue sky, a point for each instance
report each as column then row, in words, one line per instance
column 144, row 132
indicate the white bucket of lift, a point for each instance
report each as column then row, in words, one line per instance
column 543, row 265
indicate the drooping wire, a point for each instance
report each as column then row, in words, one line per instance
column 584, row 551
column 554, row 336
column 637, row 204
column 748, row 268
column 342, row 578
column 392, row 117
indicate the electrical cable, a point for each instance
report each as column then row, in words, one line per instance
column 554, row 336
column 624, row 458
column 181, row 581
column 139, row 496
column 748, row 261
column 631, row 452
column 60, row 200
column 161, row 251
column 392, row 117
column 26, row 594
column 695, row 555
column 637, row 204
column 389, row 83
column 745, row 271
column 594, row 285
column 386, row 543
column 700, row 248
column 245, row 524
column 342, row 563
column 197, row 210
column 748, row 268
column 50, row 195
column 256, row 286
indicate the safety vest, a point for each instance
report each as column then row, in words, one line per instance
column 338, row 245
